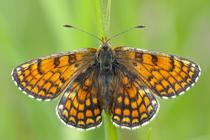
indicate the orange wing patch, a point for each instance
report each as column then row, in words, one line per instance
column 79, row 105
column 45, row 78
column 166, row 75
column 133, row 105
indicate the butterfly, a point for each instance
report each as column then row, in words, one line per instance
column 122, row 81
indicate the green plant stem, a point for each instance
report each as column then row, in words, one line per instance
column 103, row 9
column 109, row 128
column 149, row 133
column 99, row 18
column 107, row 10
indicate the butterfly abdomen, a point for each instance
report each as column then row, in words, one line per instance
column 105, row 95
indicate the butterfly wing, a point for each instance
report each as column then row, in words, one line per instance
column 45, row 78
column 79, row 106
column 134, row 104
column 166, row 75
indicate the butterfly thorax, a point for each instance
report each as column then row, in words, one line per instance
column 105, row 58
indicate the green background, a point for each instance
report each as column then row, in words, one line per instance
column 30, row 29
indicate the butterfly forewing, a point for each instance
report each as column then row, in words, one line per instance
column 79, row 106
column 166, row 75
column 45, row 78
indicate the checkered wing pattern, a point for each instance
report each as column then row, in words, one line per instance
column 45, row 78
column 134, row 104
column 166, row 75
column 79, row 106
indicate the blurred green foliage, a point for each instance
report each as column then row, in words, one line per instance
column 30, row 29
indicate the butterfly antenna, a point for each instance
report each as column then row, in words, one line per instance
column 81, row 30
column 125, row 31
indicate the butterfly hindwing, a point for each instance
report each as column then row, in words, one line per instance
column 134, row 104
column 79, row 106
column 166, row 75
column 45, row 78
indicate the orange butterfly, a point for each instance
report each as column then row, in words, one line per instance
column 122, row 81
